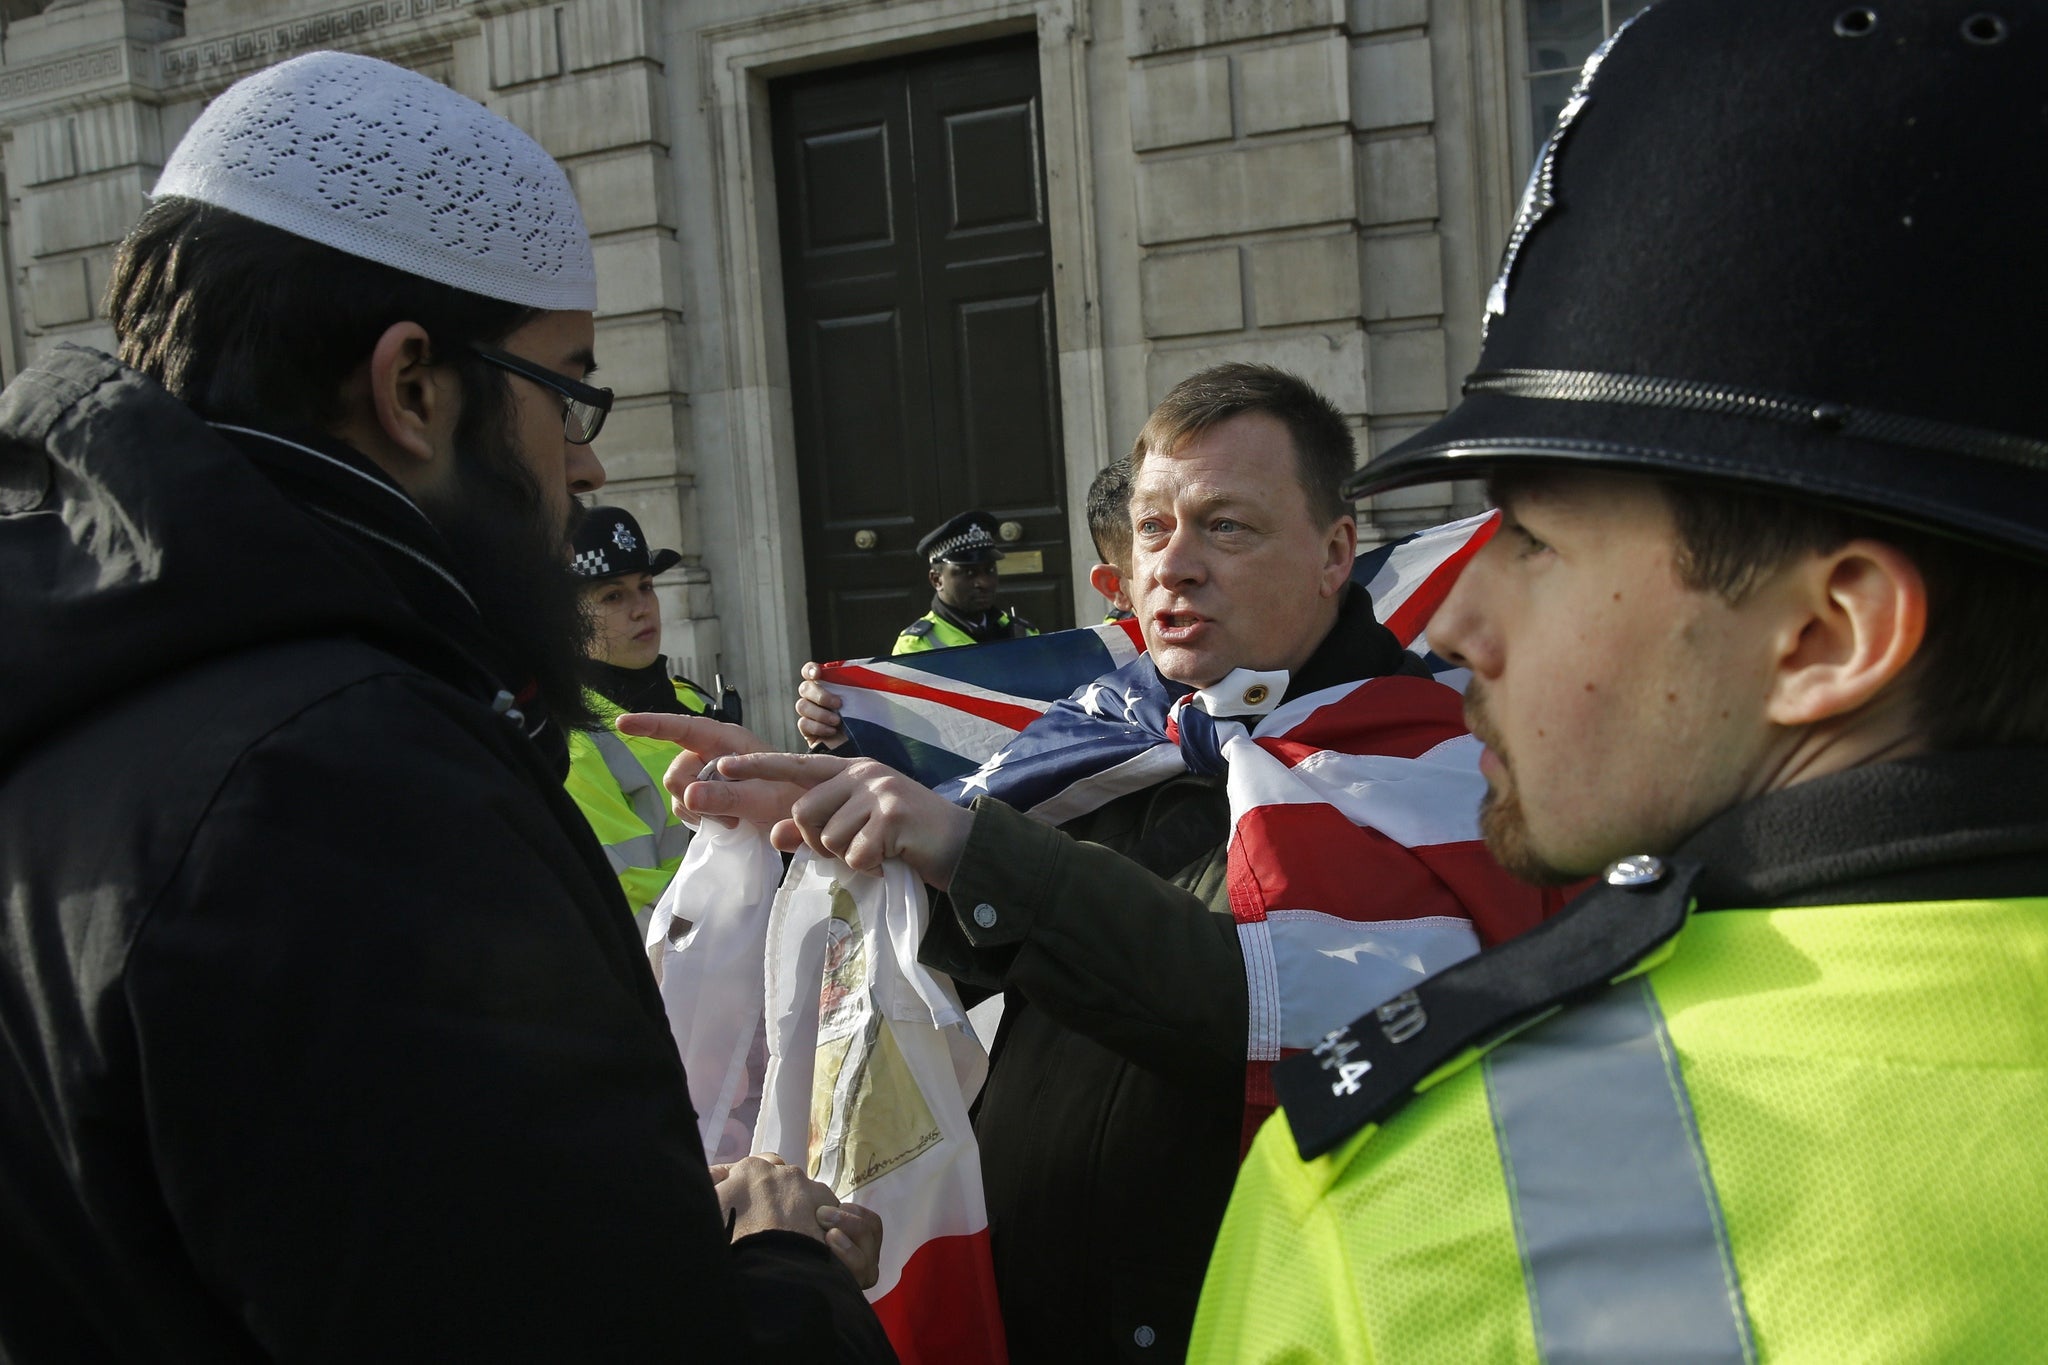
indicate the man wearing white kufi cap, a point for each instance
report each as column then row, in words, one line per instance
column 327, row 1033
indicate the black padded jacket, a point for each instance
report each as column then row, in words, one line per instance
column 327, row 1036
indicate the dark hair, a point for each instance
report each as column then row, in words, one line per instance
column 246, row 322
column 1975, row 679
column 1323, row 449
column 1109, row 513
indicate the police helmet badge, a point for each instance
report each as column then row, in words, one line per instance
column 1539, row 195
column 1811, row 293
column 608, row 542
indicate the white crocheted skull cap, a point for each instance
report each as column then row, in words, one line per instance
column 386, row 164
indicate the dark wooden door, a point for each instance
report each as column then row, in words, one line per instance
column 917, row 266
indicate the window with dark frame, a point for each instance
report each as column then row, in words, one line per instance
column 1557, row 37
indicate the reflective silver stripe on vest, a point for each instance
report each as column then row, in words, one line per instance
column 650, row 806
column 627, row 854
column 675, row 841
column 1623, row 1246
column 642, row 793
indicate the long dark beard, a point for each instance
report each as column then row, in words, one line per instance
column 513, row 557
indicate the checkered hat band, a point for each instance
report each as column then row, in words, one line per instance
column 972, row 538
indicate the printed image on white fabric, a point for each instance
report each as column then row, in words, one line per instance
column 868, row 1113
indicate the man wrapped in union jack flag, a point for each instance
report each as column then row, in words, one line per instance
column 1197, row 864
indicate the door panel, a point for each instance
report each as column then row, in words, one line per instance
column 846, row 180
column 854, row 359
column 1038, row 599
column 1004, row 402
column 992, row 157
column 917, row 268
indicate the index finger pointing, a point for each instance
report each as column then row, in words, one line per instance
column 699, row 734
column 804, row 770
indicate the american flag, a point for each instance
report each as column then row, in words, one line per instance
column 1355, row 865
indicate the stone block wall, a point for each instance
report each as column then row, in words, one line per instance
column 587, row 79
column 1246, row 190
column 82, row 155
column 93, row 96
column 1289, row 207
column 1402, row 177
column 1318, row 184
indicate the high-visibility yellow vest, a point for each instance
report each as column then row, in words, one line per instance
column 933, row 631
column 616, row 780
column 1809, row 1134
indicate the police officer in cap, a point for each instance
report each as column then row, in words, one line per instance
column 962, row 553
column 1760, row 401
column 616, row 779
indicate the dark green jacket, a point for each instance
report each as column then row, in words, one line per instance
column 1112, row 1121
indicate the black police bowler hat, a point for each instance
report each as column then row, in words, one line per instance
column 1794, row 243
column 608, row 542
column 969, row 538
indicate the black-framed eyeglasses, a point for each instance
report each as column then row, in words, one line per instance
column 583, row 405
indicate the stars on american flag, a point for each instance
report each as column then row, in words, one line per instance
column 976, row 782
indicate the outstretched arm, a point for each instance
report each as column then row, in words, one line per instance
column 1113, row 950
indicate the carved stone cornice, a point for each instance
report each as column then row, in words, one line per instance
column 89, row 76
column 203, row 65
column 381, row 28
column 73, row 68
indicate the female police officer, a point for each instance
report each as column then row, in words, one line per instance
column 616, row 779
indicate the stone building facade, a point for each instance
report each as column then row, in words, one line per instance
column 1319, row 184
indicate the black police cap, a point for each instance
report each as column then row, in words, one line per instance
column 1791, row 243
column 969, row 538
column 608, row 542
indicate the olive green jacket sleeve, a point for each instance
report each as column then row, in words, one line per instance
column 1146, row 967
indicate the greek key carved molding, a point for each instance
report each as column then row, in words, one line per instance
column 76, row 69
column 189, row 63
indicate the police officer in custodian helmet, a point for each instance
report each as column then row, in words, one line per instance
column 962, row 555
column 616, row 779
column 1757, row 647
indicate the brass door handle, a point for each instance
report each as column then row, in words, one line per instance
column 863, row 539
column 1011, row 531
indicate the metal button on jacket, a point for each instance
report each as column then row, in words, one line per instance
column 985, row 915
column 1639, row 869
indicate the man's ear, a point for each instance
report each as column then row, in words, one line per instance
column 933, row 574
column 1858, row 615
column 1107, row 580
column 1341, row 548
column 413, row 401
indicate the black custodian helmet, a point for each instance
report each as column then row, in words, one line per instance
column 1792, row 243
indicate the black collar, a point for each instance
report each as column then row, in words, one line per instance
column 1357, row 647
column 336, row 483
column 1934, row 827
column 635, row 689
column 386, row 529
column 994, row 624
